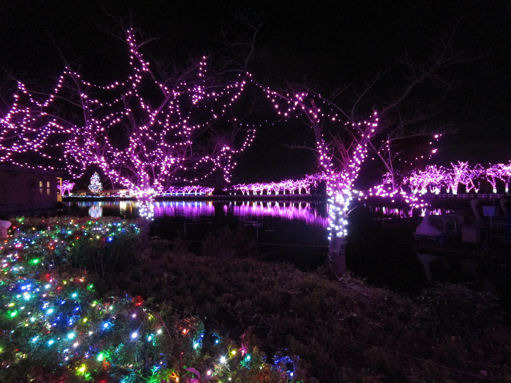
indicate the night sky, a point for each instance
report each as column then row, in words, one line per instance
column 326, row 45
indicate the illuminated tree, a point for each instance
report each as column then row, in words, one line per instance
column 144, row 134
column 66, row 186
column 409, row 98
column 341, row 148
column 432, row 178
column 95, row 185
column 457, row 174
column 472, row 178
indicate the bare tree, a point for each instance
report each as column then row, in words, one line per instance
column 410, row 101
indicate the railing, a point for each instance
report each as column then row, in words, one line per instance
column 489, row 196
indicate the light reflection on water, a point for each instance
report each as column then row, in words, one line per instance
column 302, row 211
column 309, row 213
column 394, row 212
column 293, row 231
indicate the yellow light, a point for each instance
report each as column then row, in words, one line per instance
column 81, row 370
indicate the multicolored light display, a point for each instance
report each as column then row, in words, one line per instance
column 95, row 185
column 54, row 327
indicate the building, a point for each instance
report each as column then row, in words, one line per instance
column 27, row 190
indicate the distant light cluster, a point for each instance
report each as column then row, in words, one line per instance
column 435, row 179
column 284, row 187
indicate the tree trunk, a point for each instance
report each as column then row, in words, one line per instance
column 338, row 205
column 337, row 255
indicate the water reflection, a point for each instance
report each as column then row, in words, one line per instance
column 309, row 213
column 188, row 209
column 302, row 211
column 297, row 232
column 394, row 212
column 146, row 208
column 95, row 211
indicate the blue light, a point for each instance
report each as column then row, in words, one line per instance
column 106, row 325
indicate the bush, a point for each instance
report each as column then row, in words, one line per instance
column 341, row 331
column 57, row 328
column 229, row 243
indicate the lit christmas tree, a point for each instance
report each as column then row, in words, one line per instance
column 95, row 184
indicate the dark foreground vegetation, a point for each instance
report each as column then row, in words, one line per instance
column 337, row 330
column 340, row 330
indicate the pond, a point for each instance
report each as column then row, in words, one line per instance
column 294, row 232
column 380, row 244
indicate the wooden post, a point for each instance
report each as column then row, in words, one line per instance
column 59, row 194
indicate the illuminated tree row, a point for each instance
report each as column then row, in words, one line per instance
column 147, row 135
column 435, row 179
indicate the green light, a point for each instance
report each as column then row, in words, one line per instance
column 12, row 313
column 100, row 357
column 34, row 261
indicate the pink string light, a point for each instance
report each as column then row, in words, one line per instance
column 66, row 186
column 435, row 179
column 161, row 147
